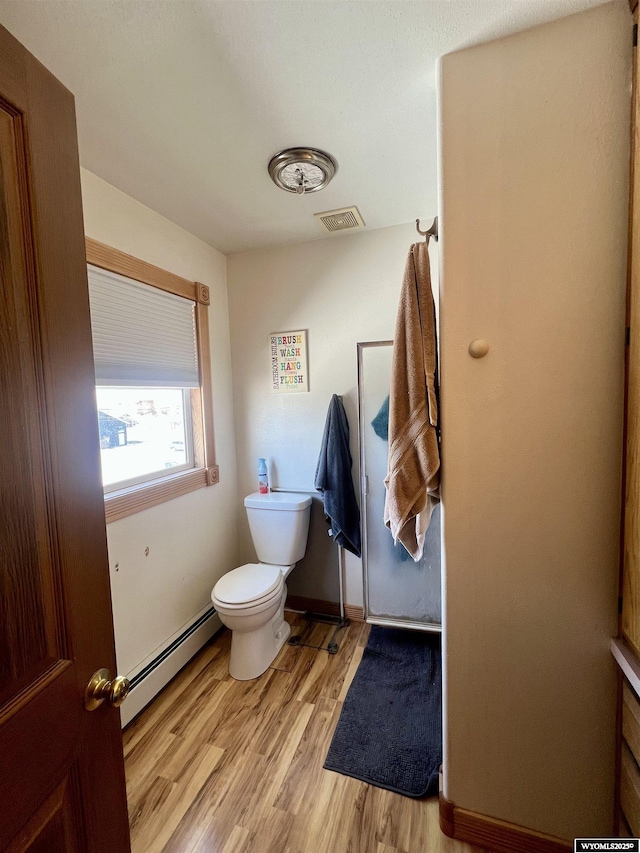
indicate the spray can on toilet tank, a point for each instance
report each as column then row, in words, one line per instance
column 263, row 476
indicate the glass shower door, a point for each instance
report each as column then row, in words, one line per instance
column 397, row 591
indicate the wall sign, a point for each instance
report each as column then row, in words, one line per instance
column 289, row 370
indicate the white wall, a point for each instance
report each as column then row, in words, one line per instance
column 192, row 539
column 343, row 290
column 534, row 162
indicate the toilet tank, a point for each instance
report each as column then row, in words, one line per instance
column 279, row 523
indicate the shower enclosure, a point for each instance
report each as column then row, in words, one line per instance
column 397, row 591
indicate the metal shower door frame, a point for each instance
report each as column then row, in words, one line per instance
column 431, row 627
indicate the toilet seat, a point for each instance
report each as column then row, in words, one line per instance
column 248, row 608
column 249, row 586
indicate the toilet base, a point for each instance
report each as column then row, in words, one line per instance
column 252, row 652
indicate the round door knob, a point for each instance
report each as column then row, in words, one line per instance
column 478, row 348
column 120, row 687
column 101, row 688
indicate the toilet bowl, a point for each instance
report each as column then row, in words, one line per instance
column 250, row 599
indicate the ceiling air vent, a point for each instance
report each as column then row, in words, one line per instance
column 339, row 220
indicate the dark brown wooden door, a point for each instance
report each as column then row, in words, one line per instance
column 61, row 767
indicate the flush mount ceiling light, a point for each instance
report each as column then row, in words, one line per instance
column 302, row 170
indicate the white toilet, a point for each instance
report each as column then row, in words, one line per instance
column 250, row 600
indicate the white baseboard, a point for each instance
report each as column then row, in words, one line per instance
column 161, row 675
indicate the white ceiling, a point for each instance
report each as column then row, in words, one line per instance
column 181, row 103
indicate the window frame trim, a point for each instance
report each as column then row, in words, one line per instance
column 129, row 500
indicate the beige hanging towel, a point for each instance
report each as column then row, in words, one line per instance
column 413, row 478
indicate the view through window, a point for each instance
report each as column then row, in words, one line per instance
column 143, row 432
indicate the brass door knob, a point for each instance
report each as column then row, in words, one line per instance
column 101, row 688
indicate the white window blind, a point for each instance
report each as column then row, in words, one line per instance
column 142, row 336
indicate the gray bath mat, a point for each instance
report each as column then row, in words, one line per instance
column 390, row 730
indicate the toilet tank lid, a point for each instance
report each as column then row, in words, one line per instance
column 278, row 500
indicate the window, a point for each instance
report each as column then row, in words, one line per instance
column 143, row 432
column 153, row 386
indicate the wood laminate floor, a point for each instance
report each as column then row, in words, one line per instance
column 222, row 766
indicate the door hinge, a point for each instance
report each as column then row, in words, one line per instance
column 627, row 336
column 635, row 35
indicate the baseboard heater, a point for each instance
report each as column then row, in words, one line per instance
column 159, row 671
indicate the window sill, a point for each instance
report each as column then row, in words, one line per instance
column 136, row 498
